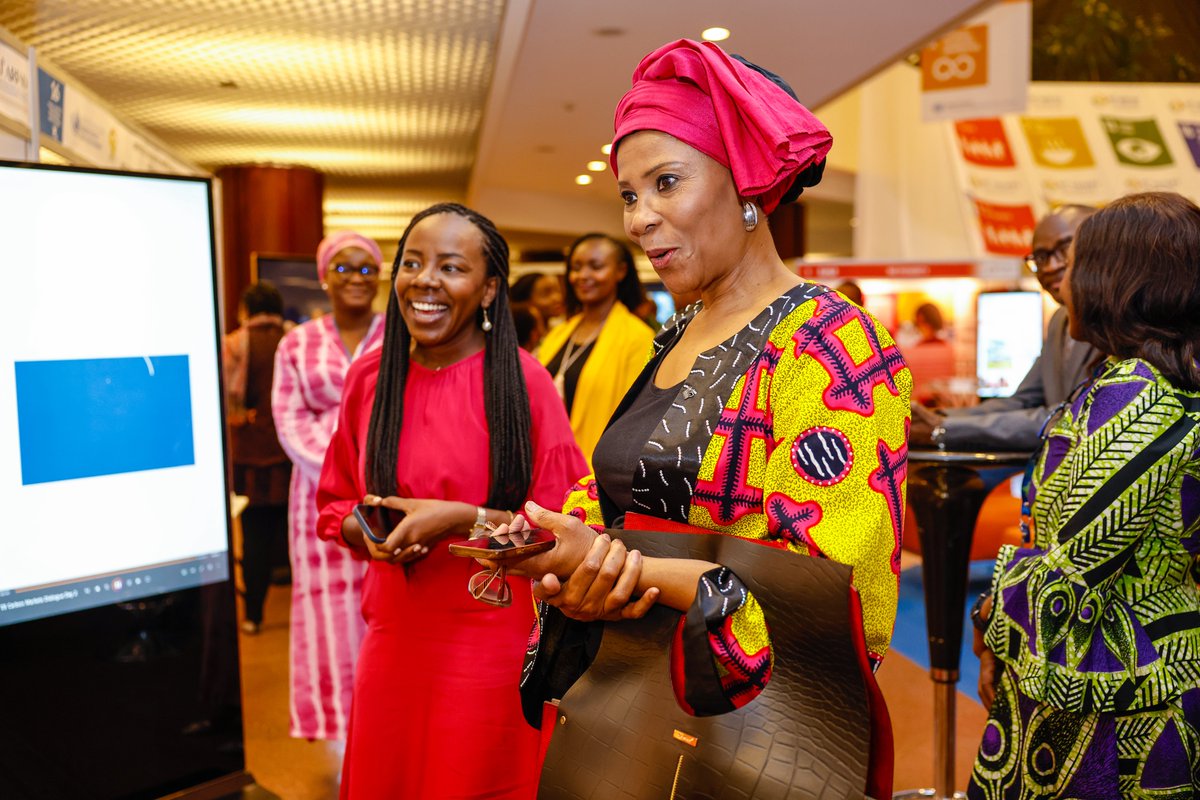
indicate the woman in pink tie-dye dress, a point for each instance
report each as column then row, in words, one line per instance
column 310, row 369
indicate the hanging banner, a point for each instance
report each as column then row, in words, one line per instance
column 89, row 131
column 1137, row 142
column 1084, row 143
column 992, row 269
column 14, row 84
column 50, row 105
column 980, row 69
column 1190, row 131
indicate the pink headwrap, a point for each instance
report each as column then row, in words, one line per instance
column 726, row 110
column 335, row 243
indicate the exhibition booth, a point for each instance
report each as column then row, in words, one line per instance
column 118, row 610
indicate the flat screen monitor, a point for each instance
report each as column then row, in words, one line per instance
column 295, row 277
column 1008, row 339
column 117, row 629
column 663, row 301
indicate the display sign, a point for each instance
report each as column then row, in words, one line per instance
column 109, row 391
column 1008, row 340
column 996, row 269
column 1077, row 143
column 295, row 276
column 14, row 84
column 91, row 132
column 664, row 301
column 89, row 129
column 979, row 69
column 50, row 105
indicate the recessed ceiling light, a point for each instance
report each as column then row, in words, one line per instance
column 597, row 166
column 583, row 180
column 715, row 34
column 606, row 149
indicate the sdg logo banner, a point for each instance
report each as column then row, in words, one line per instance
column 1191, row 134
column 1006, row 229
column 1057, row 142
column 103, row 416
column 1137, row 142
column 984, row 143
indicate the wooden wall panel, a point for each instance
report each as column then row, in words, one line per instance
column 266, row 209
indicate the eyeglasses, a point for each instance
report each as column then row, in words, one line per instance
column 1040, row 259
column 366, row 270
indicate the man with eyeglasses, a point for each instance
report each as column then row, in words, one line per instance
column 1014, row 423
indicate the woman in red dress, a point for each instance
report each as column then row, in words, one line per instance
column 452, row 423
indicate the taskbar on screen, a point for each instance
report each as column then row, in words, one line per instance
column 37, row 602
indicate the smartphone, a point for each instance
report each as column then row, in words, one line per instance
column 528, row 542
column 377, row 522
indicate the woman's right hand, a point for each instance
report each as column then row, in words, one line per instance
column 384, row 551
column 587, row 575
column 602, row 587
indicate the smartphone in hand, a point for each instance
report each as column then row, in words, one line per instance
column 514, row 545
column 377, row 522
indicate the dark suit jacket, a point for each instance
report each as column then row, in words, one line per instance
column 1013, row 423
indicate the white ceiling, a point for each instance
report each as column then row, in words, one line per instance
column 401, row 103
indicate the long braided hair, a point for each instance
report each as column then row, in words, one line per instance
column 506, row 400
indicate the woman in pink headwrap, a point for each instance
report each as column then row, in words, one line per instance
column 772, row 410
column 310, row 369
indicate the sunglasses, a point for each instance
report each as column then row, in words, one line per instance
column 491, row 587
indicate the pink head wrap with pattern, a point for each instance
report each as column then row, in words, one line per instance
column 735, row 115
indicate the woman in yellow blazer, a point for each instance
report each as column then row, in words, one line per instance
column 598, row 352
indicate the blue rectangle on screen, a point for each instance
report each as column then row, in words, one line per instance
column 103, row 416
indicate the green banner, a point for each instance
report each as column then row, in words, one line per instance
column 1137, row 142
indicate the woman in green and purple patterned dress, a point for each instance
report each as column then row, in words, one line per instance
column 1090, row 648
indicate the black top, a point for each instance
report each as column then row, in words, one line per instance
column 663, row 471
column 618, row 453
column 571, row 378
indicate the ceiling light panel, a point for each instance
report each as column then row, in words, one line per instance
column 371, row 91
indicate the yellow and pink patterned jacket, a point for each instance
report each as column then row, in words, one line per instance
column 792, row 432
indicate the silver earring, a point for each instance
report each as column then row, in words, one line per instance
column 749, row 216
column 487, row 323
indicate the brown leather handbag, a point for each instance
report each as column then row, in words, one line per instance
column 620, row 734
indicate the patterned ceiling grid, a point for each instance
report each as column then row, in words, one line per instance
column 384, row 97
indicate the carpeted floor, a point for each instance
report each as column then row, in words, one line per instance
column 909, row 637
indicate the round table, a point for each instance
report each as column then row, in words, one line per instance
column 946, row 490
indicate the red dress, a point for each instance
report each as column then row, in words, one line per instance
column 436, row 705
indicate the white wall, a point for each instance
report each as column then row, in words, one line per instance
column 906, row 196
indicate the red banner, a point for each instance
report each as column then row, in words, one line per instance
column 1007, row 230
column 982, row 142
column 825, row 271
